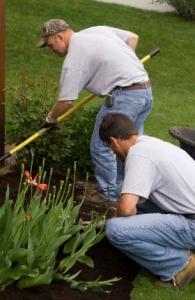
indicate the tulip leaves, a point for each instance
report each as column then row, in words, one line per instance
column 33, row 230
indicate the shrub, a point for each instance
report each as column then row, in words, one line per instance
column 28, row 104
column 185, row 8
column 27, row 110
column 83, row 123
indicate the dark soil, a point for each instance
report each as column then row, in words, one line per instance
column 108, row 262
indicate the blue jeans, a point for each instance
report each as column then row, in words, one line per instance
column 109, row 171
column 159, row 242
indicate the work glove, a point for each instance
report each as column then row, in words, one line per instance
column 49, row 121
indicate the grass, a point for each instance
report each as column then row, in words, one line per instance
column 147, row 288
column 172, row 73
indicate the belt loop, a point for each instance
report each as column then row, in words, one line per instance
column 109, row 100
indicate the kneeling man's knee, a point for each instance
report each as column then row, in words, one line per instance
column 111, row 228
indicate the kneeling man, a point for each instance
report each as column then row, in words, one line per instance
column 155, row 223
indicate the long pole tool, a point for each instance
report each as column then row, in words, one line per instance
column 63, row 116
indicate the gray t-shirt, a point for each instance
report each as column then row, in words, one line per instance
column 161, row 172
column 98, row 60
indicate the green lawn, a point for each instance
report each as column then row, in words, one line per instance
column 172, row 73
column 147, row 288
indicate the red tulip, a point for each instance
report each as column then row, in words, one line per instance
column 33, row 182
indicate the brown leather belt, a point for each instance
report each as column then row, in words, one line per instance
column 137, row 86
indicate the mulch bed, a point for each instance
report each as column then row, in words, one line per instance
column 108, row 262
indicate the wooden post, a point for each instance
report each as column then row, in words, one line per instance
column 2, row 76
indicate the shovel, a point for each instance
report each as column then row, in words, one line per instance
column 63, row 116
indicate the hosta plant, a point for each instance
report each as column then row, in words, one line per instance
column 33, row 228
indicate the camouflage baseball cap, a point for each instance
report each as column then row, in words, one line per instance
column 51, row 27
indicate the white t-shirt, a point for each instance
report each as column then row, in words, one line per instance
column 161, row 172
column 98, row 60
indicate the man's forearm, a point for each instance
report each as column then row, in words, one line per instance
column 121, row 213
column 127, row 205
column 59, row 108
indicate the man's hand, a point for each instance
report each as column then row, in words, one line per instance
column 59, row 108
column 49, row 121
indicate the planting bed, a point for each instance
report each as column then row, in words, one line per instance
column 108, row 263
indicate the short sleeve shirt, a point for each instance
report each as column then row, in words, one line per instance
column 161, row 172
column 98, row 60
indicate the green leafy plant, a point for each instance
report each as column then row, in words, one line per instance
column 29, row 103
column 83, row 122
column 185, row 8
column 35, row 226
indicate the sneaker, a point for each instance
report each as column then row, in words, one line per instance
column 182, row 277
column 111, row 208
column 185, row 275
column 112, row 205
column 95, row 198
column 165, row 284
column 107, row 207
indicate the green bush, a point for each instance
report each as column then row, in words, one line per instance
column 29, row 109
column 83, row 123
column 185, row 8
column 30, row 103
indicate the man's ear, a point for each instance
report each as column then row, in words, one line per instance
column 60, row 36
column 113, row 141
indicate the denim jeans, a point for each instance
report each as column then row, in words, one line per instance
column 157, row 241
column 109, row 171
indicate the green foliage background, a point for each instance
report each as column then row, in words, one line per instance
column 185, row 8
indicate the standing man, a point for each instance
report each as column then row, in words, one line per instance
column 101, row 60
column 156, row 210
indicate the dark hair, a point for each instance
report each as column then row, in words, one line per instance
column 116, row 125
